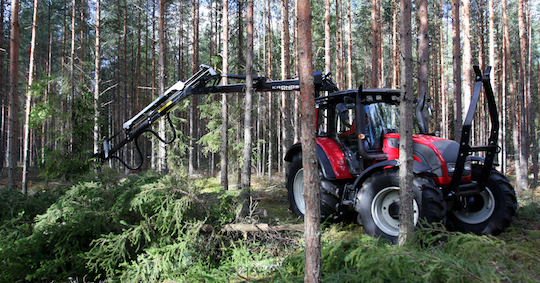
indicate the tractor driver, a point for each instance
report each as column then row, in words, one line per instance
column 349, row 136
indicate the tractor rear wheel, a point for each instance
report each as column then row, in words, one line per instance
column 295, row 191
column 378, row 204
column 488, row 213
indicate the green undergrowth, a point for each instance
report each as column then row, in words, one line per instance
column 434, row 255
column 154, row 228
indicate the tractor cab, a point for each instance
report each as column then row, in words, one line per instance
column 359, row 131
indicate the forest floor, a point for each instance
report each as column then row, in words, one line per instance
column 269, row 205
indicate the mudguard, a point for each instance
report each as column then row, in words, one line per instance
column 330, row 157
column 418, row 167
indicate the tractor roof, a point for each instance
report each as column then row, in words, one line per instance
column 368, row 96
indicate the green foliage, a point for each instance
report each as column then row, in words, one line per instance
column 152, row 228
column 61, row 164
column 435, row 255
column 17, row 248
column 52, row 245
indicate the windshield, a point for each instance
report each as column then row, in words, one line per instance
column 380, row 118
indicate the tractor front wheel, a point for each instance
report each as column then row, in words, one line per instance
column 378, row 204
column 295, row 190
column 488, row 213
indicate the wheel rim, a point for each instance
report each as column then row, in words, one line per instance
column 478, row 215
column 383, row 210
column 298, row 191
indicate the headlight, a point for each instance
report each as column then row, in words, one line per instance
column 451, row 168
column 467, row 166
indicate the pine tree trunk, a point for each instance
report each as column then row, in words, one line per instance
column 13, row 128
column 467, row 80
column 532, row 109
column 395, row 45
column 349, row 46
column 503, row 102
column 28, row 104
column 240, row 36
column 286, row 140
column 3, row 95
column 406, row 218
column 309, row 154
column 126, row 92
column 296, row 108
column 153, row 141
column 494, row 85
column 327, row 38
column 337, row 47
column 376, row 43
column 456, row 55
column 511, row 93
column 523, row 180
column 71, row 93
column 224, row 115
column 193, row 118
column 270, row 94
column 423, row 73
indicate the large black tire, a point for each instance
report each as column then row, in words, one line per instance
column 488, row 213
column 378, row 204
column 295, row 191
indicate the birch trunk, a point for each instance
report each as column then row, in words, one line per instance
column 28, row 103
column 224, row 106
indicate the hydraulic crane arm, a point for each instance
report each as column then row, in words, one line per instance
column 204, row 81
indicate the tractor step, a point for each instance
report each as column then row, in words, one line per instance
column 468, row 189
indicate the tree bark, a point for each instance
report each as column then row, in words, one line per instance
column 71, row 93
column 349, row 46
column 285, row 73
column 456, row 56
column 523, row 180
column 224, row 105
column 327, row 38
column 13, row 128
column 395, row 45
column 511, row 94
column 309, row 153
column 376, row 42
column 162, row 153
column 494, row 85
column 338, row 46
column 406, row 218
column 193, row 106
column 271, row 119
column 248, row 114
column 445, row 121
column 28, row 104
column 423, row 73
column 467, row 80
column 97, row 71
column 3, row 94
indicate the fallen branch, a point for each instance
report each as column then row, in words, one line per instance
column 259, row 227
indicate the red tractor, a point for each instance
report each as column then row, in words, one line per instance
column 358, row 148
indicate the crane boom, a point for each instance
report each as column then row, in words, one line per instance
column 203, row 82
